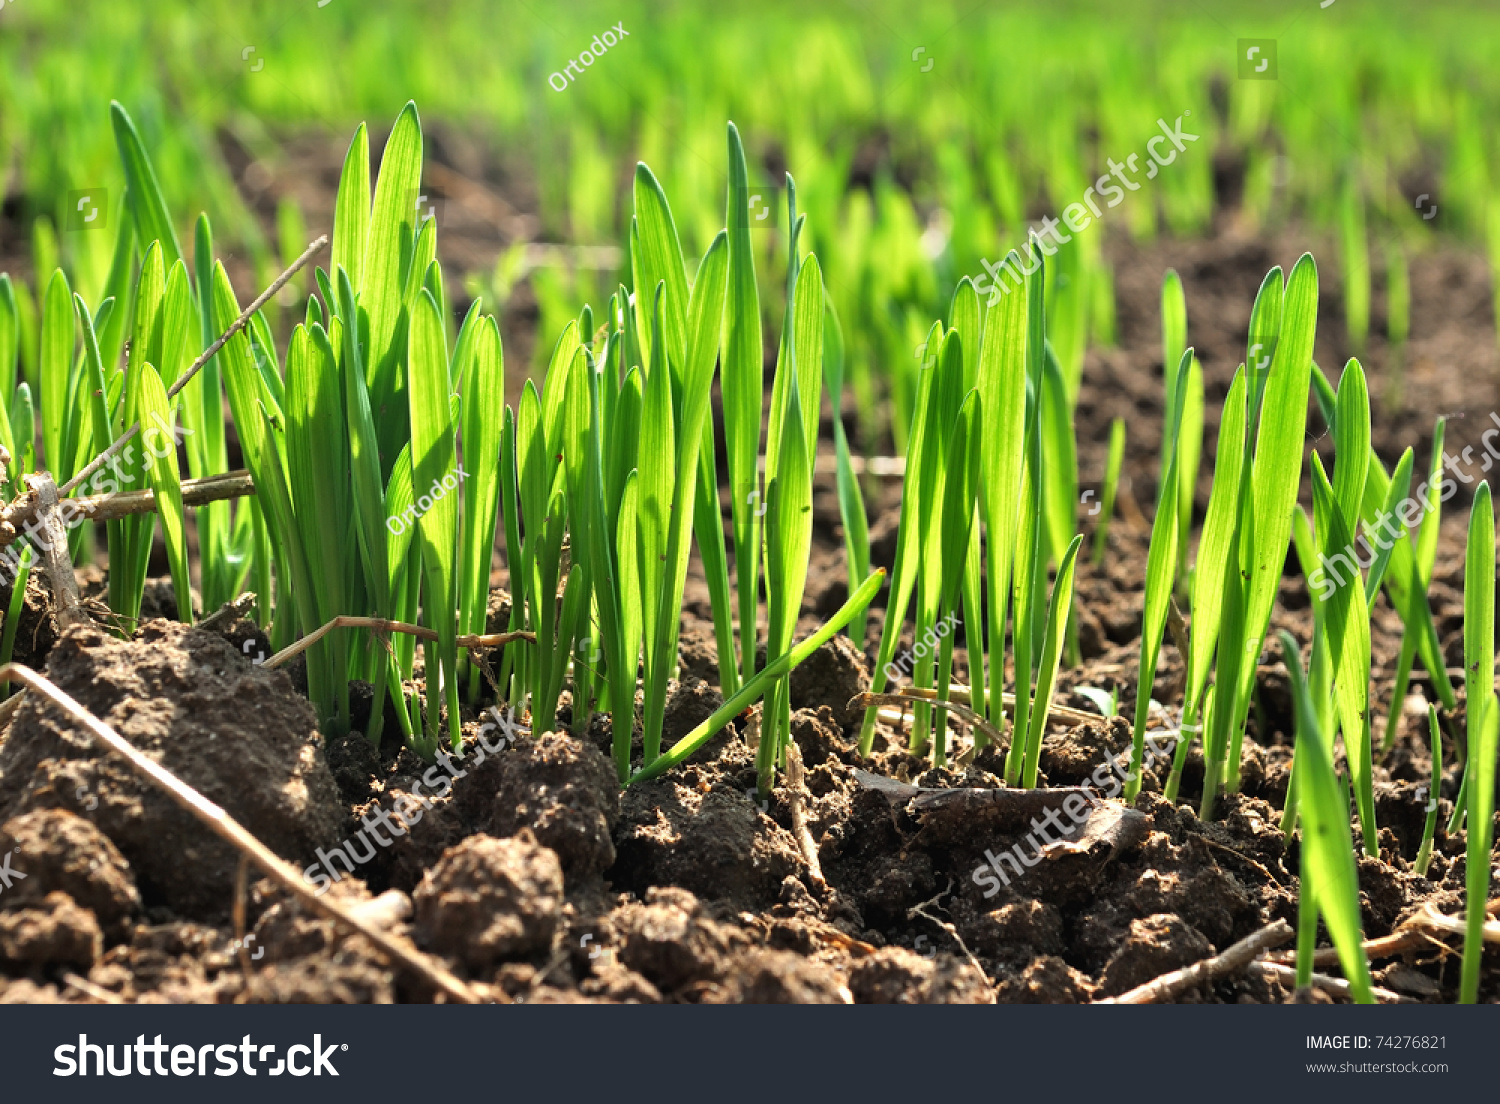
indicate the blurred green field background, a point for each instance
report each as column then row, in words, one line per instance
column 923, row 138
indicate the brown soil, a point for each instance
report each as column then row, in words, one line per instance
column 530, row 871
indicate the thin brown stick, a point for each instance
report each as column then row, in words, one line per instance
column 1235, row 958
column 864, row 701
column 380, row 624
column 9, row 706
column 229, row 611
column 236, row 835
column 1417, row 932
column 195, row 492
column 89, row 989
column 237, row 915
column 797, row 793
column 1334, row 987
column 1429, row 919
column 208, row 354
column 109, row 507
column 57, row 564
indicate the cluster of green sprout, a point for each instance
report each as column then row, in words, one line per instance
column 991, row 451
column 385, row 463
column 384, row 457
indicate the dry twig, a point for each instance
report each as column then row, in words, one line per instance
column 56, row 562
column 1235, row 958
column 1334, row 987
column 380, row 624
column 1420, row 931
column 797, row 793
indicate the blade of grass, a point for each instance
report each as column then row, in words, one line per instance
column 1429, row 829
column 152, row 222
column 852, row 513
column 1277, row 470
column 371, row 521
column 1347, row 624
column 742, row 380
column 318, row 460
column 434, row 462
column 1002, row 392
column 148, row 406
column 1329, row 881
column 1481, row 809
column 483, row 411
column 1051, row 655
column 1161, row 572
column 351, row 211
column 384, row 275
column 1483, row 727
column 1426, row 557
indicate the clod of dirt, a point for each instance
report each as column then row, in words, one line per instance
column 671, row 941
column 697, row 652
column 781, row 977
column 247, row 638
column 1048, row 980
column 1157, row 945
column 1070, row 758
column 321, row 981
column 1209, row 899
column 818, row 735
column 497, row 611
column 233, row 731
column 168, row 964
column 355, row 764
column 288, row 929
column 159, row 600
column 57, row 933
column 692, row 701
column 56, row 851
column 831, row 676
column 563, row 790
column 1030, row 925
column 894, row 975
column 714, row 841
column 36, row 630
column 489, row 899
column 615, row 983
